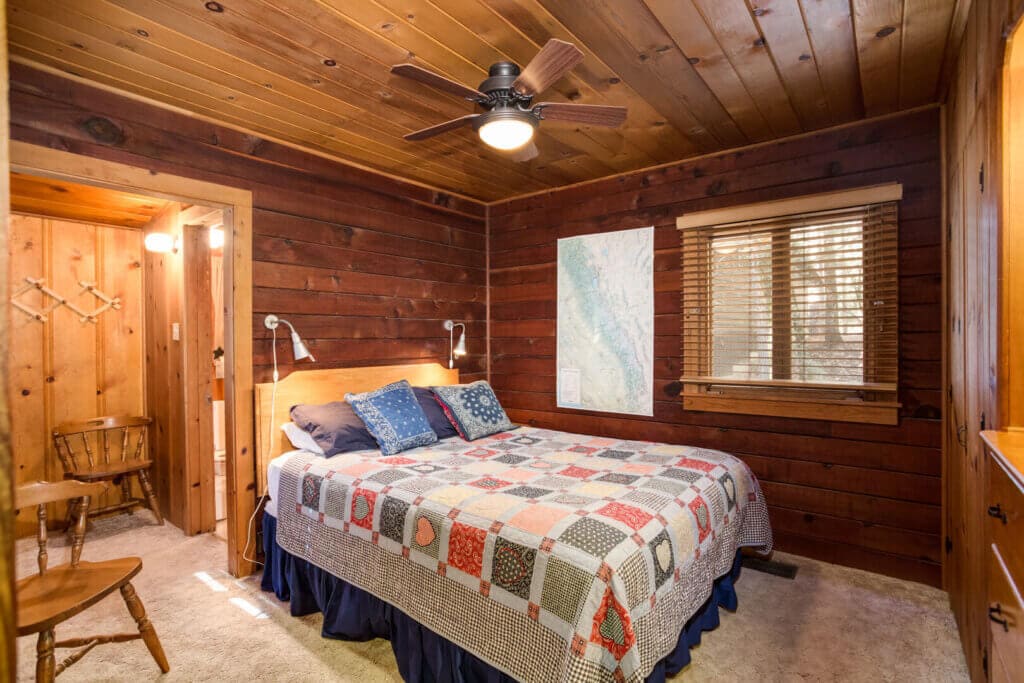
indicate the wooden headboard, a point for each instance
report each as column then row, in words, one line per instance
column 324, row 386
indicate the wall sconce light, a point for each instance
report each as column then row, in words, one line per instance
column 299, row 349
column 455, row 350
column 161, row 243
column 217, row 236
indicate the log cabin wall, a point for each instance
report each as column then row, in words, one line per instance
column 861, row 495
column 975, row 385
column 367, row 267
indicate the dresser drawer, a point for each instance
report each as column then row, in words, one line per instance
column 1006, row 519
column 1006, row 621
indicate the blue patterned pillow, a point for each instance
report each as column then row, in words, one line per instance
column 473, row 409
column 394, row 417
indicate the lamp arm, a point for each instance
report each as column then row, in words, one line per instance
column 451, row 347
column 450, row 325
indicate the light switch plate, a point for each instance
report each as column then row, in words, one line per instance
column 176, row 331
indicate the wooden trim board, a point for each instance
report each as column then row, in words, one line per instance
column 8, row 666
column 825, row 201
column 198, row 339
column 324, row 386
column 237, row 205
column 1011, row 302
column 837, row 411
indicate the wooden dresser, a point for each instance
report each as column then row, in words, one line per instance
column 1004, row 501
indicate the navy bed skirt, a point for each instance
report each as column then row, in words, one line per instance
column 423, row 656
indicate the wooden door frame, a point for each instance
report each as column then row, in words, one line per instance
column 8, row 667
column 1010, row 357
column 197, row 338
column 238, row 377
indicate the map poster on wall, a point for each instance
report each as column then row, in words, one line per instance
column 606, row 322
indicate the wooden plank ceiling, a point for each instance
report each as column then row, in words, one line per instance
column 62, row 199
column 697, row 75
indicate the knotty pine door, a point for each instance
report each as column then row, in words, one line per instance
column 63, row 368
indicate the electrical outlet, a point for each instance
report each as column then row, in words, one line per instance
column 176, row 331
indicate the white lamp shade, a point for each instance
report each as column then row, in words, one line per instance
column 506, row 133
column 299, row 349
column 460, row 348
column 159, row 242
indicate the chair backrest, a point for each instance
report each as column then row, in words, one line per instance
column 43, row 492
column 88, row 444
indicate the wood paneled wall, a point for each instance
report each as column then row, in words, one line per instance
column 861, row 495
column 975, row 398
column 165, row 369
column 66, row 369
column 367, row 267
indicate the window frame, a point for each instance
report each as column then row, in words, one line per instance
column 874, row 403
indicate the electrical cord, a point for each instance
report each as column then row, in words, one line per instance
column 270, row 437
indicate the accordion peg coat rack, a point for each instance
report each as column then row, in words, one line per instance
column 59, row 300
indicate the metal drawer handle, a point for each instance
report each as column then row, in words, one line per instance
column 997, row 609
column 997, row 512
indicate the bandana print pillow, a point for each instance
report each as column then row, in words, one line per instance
column 394, row 417
column 473, row 409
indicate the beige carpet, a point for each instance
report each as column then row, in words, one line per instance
column 830, row 624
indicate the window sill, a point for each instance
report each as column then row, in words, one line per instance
column 834, row 411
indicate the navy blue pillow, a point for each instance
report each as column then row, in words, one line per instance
column 435, row 413
column 394, row 417
column 335, row 427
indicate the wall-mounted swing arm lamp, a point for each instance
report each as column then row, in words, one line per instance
column 299, row 349
column 455, row 350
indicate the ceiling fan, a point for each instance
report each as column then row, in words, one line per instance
column 510, row 118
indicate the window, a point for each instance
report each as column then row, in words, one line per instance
column 793, row 314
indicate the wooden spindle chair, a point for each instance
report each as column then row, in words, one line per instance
column 56, row 594
column 76, row 444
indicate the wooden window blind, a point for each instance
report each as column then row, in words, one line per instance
column 803, row 303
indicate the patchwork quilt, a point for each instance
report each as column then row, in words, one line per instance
column 552, row 556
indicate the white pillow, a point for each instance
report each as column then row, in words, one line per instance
column 301, row 439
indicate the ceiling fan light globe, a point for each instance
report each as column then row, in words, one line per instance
column 507, row 133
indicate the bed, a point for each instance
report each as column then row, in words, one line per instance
column 531, row 554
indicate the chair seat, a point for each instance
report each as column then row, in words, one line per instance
column 114, row 469
column 64, row 591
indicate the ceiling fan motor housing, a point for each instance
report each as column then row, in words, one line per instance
column 500, row 77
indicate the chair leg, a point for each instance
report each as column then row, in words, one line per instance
column 71, row 516
column 147, row 490
column 126, row 493
column 46, row 664
column 138, row 612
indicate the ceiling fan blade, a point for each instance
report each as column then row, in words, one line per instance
column 524, row 153
column 442, row 127
column 588, row 114
column 553, row 60
column 434, row 80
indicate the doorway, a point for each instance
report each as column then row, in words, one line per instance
column 114, row 315
column 203, row 244
column 236, row 212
